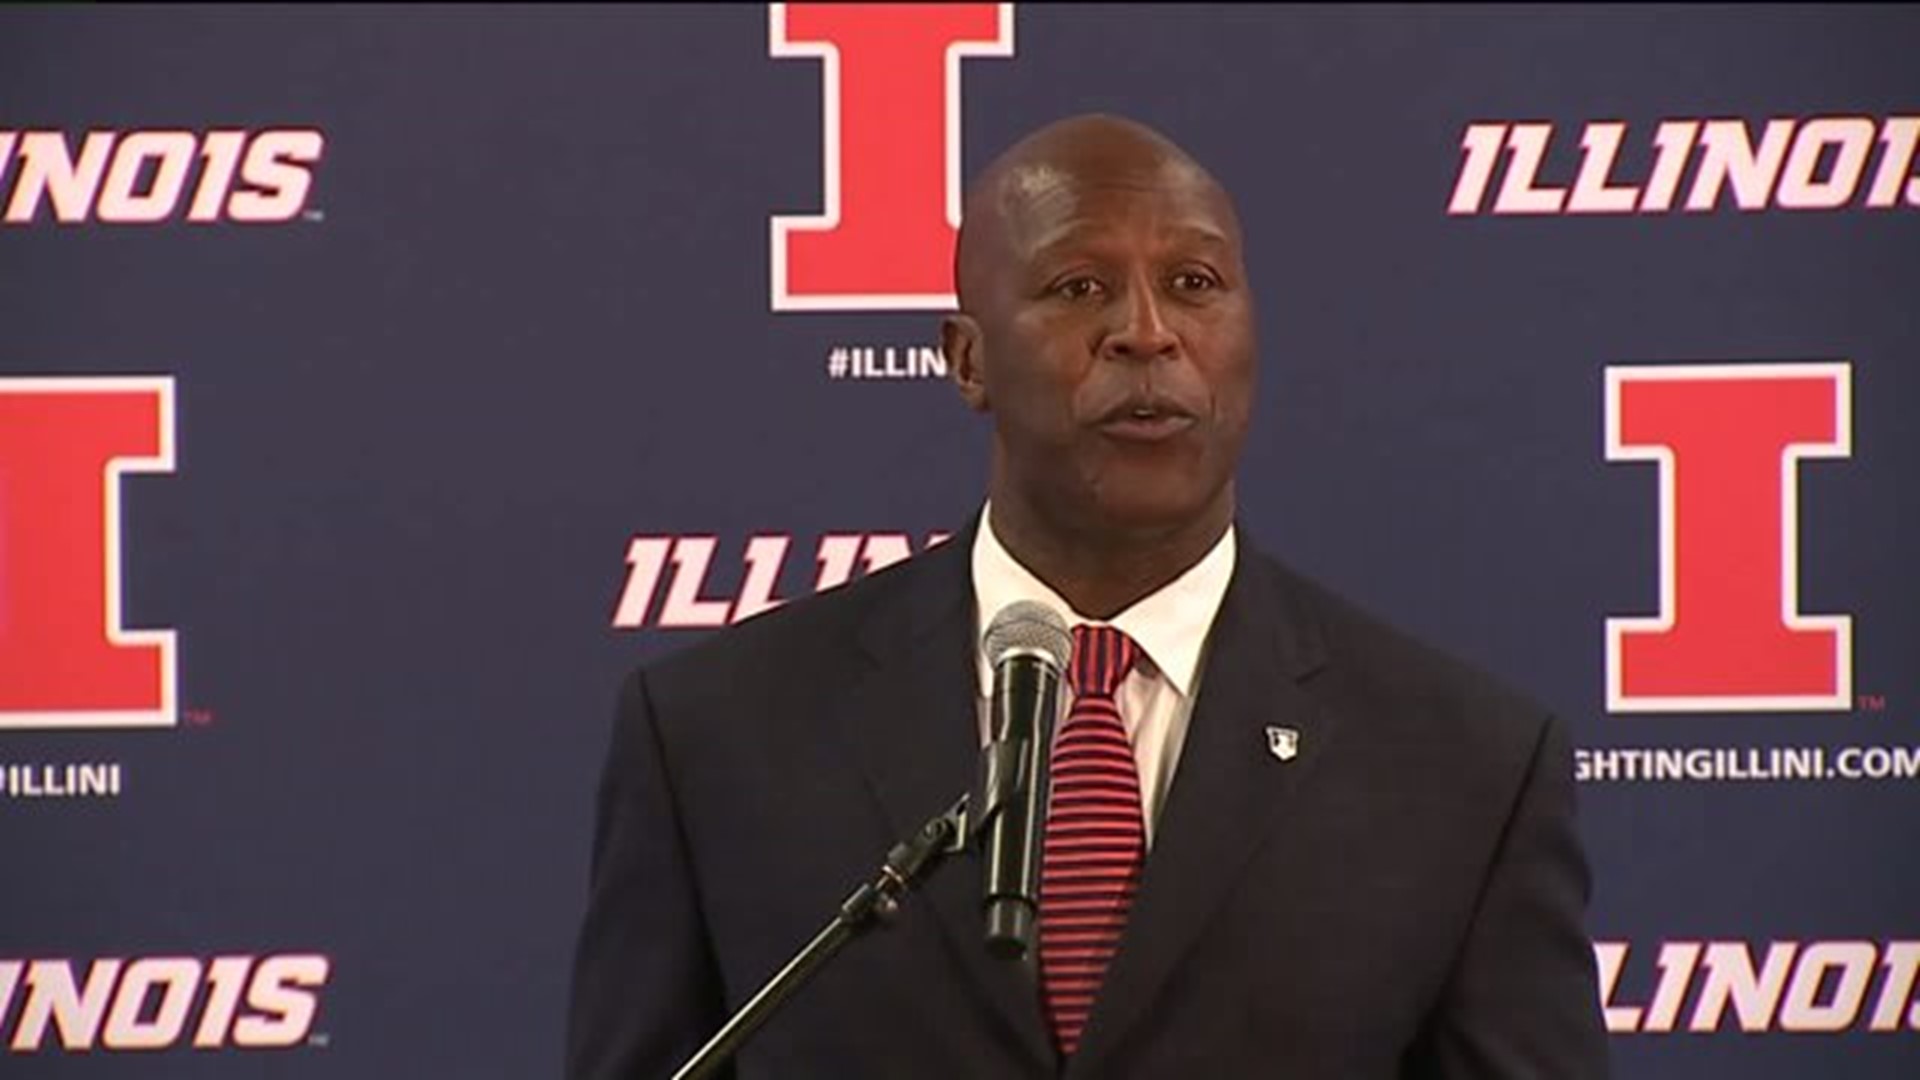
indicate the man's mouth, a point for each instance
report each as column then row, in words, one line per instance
column 1145, row 420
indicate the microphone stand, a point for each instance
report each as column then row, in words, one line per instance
column 910, row 860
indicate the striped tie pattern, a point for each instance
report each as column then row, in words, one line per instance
column 1094, row 839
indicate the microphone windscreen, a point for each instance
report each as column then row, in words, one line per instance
column 1028, row 626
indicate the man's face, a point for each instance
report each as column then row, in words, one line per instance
column 1113, row 342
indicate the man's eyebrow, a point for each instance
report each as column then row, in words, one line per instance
column 1087, row 232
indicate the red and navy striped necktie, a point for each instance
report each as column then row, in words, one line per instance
column 1094, row 839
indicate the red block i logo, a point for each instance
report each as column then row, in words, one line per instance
column 66, row 658
column 1729, row 634
column 890, row 121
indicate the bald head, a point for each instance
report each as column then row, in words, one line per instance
column 1039, row 176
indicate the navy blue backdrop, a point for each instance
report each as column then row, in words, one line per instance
column 451, row 340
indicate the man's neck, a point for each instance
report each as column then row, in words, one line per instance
column 1104, row 572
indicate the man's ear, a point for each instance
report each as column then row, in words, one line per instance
column 960, row 341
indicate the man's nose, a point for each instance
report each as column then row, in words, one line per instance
column 1140, row 331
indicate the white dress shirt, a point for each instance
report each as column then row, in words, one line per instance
column 1170, row 626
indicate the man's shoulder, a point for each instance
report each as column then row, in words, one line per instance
column 1371, row 664
column 821, row 632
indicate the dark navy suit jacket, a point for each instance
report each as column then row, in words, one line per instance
column 1404, row 898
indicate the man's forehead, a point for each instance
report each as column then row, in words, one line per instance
column 1033, row 180
column 1044, row 204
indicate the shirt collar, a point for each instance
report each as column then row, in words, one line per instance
column 1170, row 625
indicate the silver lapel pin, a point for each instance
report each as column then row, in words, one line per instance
column 1283, row 742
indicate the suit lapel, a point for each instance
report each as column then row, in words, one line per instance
column 914, row 728
column 1229, row 791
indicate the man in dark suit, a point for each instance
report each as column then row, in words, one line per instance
column 1346, row 855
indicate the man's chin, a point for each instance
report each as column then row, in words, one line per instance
column 1145, row 514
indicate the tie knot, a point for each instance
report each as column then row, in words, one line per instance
column 1102, row 656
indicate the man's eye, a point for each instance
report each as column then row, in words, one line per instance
column 1079, row 288
column 1193, row 281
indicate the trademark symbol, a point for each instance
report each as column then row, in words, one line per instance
column 320, row 1042
column 1872, row 702
column 198, row 717
column 313, row 215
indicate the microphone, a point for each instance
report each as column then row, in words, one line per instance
column 1028, row 645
